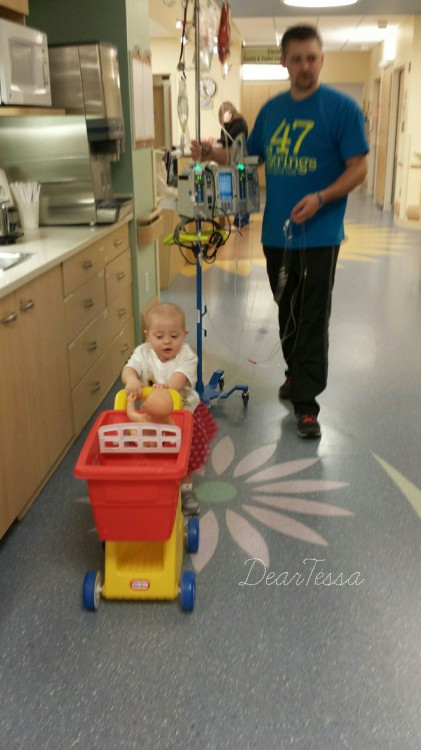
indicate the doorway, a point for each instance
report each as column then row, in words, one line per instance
column 383, row 136
column 399, row 89
column 162, row 112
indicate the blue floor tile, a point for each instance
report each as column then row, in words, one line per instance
column 306, row 630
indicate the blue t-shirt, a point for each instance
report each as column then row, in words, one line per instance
column 304, row 145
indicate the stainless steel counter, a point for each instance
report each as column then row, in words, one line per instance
column 47, row 247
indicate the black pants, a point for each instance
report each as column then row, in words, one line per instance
column 302, row 282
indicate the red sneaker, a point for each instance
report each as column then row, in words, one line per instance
column 308, row 426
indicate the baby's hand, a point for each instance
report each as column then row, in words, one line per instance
column 133, row 388
column 131, row 408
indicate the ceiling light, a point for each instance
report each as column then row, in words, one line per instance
column 318, row 3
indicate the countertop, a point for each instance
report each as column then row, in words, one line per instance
column 47, row 247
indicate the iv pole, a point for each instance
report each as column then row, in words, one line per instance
column 213, row 389
column 200, row 312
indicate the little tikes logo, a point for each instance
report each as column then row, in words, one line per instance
column 139, row 584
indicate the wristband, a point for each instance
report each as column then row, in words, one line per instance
column 321, row 201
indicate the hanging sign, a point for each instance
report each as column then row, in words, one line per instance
column 260, row 55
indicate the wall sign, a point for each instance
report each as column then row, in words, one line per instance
column 260, row 55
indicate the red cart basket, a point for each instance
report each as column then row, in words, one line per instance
column 134, row 494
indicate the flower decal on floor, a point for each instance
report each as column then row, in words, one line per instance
column 266, row 493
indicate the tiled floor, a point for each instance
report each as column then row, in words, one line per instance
column 306, row 630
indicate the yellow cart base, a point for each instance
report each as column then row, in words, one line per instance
column 147, row 570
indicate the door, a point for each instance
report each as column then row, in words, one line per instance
column 373, row 128
column 159, row 116
column 399, row 77
column 383, row 136
column 162, row 112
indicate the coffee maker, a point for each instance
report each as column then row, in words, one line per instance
column 85, row 81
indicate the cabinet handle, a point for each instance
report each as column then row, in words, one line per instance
column 10, row 319
column 87, row 264
column 96, row 387
column 25, row 306
column 124, row 348
column 117, row 243
column 121, row 276
column 121, row 312
column 88, row 303
column 92, row 345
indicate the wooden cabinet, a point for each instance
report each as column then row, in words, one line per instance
column 17, row 6
column 64, row 338
column 84, row 304
column 94, row 386
column 99, row 320
column 35, row 404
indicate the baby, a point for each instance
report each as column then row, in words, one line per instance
column 165, row 361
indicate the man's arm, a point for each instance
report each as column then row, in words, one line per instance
column 206, row 151
column 354, row 174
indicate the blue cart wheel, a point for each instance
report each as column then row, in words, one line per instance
column 187, row 591
column 91, row 590
column 192, row 535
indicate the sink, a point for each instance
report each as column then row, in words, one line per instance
column 10, row 258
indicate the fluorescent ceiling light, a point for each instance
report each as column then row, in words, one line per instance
column 319, row 3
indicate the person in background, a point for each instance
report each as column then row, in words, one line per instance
column 232, row 124
column 312, row 140
column 166, row 361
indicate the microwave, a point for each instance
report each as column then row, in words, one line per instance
column 24, row 68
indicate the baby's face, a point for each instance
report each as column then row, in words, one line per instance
column 166, row 336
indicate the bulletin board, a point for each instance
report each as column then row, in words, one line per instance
column 142, row 99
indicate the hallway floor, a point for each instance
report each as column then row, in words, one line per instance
column 306, row 630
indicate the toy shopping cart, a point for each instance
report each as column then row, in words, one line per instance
column 134, row 488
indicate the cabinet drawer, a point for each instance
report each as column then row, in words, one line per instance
column 78, row 269
column 119, row 312
column 116, row 242
column 121, row 348
column 88, row 346
column 95, row 385
column 90, row 391
column 83, row 305
column 118, row 275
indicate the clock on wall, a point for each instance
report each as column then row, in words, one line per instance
column 207, row 88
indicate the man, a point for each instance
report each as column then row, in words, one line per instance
column 312, row 140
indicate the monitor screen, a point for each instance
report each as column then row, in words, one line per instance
column 225, row 185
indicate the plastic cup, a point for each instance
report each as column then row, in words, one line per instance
column 29, row 215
